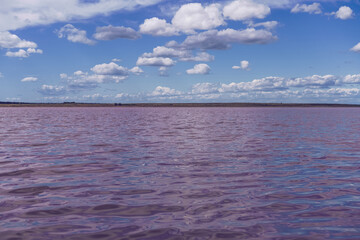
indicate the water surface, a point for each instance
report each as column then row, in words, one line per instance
column 179, row 173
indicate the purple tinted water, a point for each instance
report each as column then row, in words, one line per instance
column 179, row 173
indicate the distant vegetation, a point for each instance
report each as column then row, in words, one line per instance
column 74, row 104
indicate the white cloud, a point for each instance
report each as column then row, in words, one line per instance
column 106, row 72
column 79, row 73
column 155, row 61
column 277, row 3
column 249, row 36
column 23, row 53
column 201, row 68
column 122, row 95
column 315, row 87
column 52, row 90
column 136, row 70
column 181, row 54
column 187, row 19
column 13, row 99
column 344, row 13
column 314, row 8
column 204, row 88
column 16, row 14
column 74, row 35
column 29, row 79
column 20, row 53
column 214, row 39
column 163, row 71
column 33, row 50
column 102, row 73
column 331, row 93
column 9, row 40
column 110, row 69
column 279, row 83
column 162, row 51
column 268, row 25
column 263, row 84
column 194, row 16
column 356, row 48
column 111, row 33
column 244, row 65
column 83, row 80
column 245, row 10
column 352, row 79
column 164, row 91
column 95, row 97
column 1, row 75
column 158, row 27
column 63, row 75
column 199, row 57
column 313, row 81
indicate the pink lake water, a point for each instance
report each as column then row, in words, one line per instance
column 179, row 173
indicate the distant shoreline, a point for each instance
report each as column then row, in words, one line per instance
column 72, row 104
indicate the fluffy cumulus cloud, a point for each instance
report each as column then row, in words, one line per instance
column 344, row 13
column 155, row 61
column 356, row 48
column 313, row 81
column 50, row 90
column 326, row 88
column 204, row 88
column 136, row 70
column 181, row 54
column 263, row 84
column 199, row 57
column 214, row 39
column 9, row 40
column 95, row 97
column 21, row 53
column 194, row 16
column 16, row 14
column 188, row 18
column 158, row 27
column 100, row 73
column 201, row 68
column 74, row 35
column 164, row 91
column 279, row 83
column 162, row 51
column 113, row 32
column 29, row 79
column 352, row 79
column 109, row 69
column 314, row 8
column 245, row 10
column 244, row 65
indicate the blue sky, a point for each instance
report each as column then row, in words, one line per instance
column 180, row 51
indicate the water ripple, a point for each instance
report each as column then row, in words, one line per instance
column 179, row 173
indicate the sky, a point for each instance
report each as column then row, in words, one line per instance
column 130, row 51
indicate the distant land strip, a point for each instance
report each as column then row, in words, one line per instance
column 234, row 104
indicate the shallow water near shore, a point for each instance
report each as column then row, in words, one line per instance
column 179, row 173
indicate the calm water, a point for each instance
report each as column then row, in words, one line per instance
column 179, row 173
